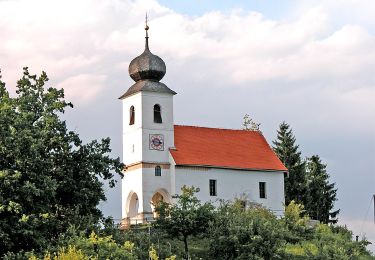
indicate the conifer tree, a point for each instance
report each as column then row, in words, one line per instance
column 287, row 151
column 321, row 194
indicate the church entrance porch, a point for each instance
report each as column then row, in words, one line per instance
column 132, row 210
column 160, row 195
column 138, row 215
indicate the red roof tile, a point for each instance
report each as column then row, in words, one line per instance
column 238, row 149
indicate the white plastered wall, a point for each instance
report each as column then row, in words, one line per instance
column 153, row 184
column 234, row 183
column 131, row 182
column 136, row 147
column 149, row 99
column 132, row 134
column 173, row 175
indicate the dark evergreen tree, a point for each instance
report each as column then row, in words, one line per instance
column 321, row 195
column 287, row 151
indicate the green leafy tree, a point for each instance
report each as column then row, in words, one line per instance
column 249, row 124
column 286, row 149
column 91, row 248
column 328, row 242
column 49, row 179
column 185, row 218
column 245, row 233
column 297, row 223
column 321, row 194
column 311, row 240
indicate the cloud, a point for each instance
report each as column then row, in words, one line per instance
column 83, row 88
column 69, row 38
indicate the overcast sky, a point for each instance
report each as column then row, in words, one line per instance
column 309, row 63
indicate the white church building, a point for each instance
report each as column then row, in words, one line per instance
column 161, row 157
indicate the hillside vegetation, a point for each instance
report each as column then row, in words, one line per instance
column 232, row 232
column 51, row 184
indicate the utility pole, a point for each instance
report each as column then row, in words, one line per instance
column 373, row 199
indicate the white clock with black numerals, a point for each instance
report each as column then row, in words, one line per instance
column 156, row 142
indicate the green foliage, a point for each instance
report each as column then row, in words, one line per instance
column 294, row 217
column 50, row 187
column 245, row 233
column 249, row 124
column 297, row 223
column 91, row 248
column 320, row 241
column 287, row 151
column 308, row 181
column 328, row 244
column 321, row 194
column 103, row 247
column 245, row 230
column 186, row 217
column 153, row 254
column 49, row 179
column 72, row 253
column 237, row 231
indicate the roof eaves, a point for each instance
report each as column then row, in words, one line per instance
column 232, row 168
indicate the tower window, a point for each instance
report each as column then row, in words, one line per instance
column 132, row 115
column 157, row 114
column 213, row 190
column 262, row 190
column 158, row 171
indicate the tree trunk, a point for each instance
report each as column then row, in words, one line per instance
column 186, row 248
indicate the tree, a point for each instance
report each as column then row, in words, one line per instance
column 321, row 194
column 287, row 151
column 308, row 181
column 240, row 232
column 249, row 124
column 319, row 241
column 49, row 179
column 93, row 247
column 187, row 217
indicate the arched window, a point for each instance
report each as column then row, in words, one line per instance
column 132, row 115
column 158, row 171
column 157, row 114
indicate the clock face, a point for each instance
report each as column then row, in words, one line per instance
column 157, row 142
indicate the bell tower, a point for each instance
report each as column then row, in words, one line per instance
column 147, row 137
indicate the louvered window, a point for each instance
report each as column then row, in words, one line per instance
column 157, row 114
column 132, row 115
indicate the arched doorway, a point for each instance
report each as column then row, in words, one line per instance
column 160, row 195
column 132, row 205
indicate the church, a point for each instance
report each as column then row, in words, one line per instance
column 161, row 157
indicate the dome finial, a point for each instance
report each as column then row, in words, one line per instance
column 147, row 66
column 146, row 28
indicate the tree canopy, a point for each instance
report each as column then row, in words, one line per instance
column 49, row 179
column 308, row 181
column 184, row 218
column 321, row 195
column 288, row 152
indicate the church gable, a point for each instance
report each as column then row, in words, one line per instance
column 223, row 148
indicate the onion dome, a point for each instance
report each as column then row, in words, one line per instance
column 147, row 70
column 147, row 65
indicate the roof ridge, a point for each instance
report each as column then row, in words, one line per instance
column 220, row 128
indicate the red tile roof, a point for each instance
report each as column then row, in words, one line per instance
column 226, row 148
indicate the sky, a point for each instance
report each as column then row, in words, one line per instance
column 309, row 63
